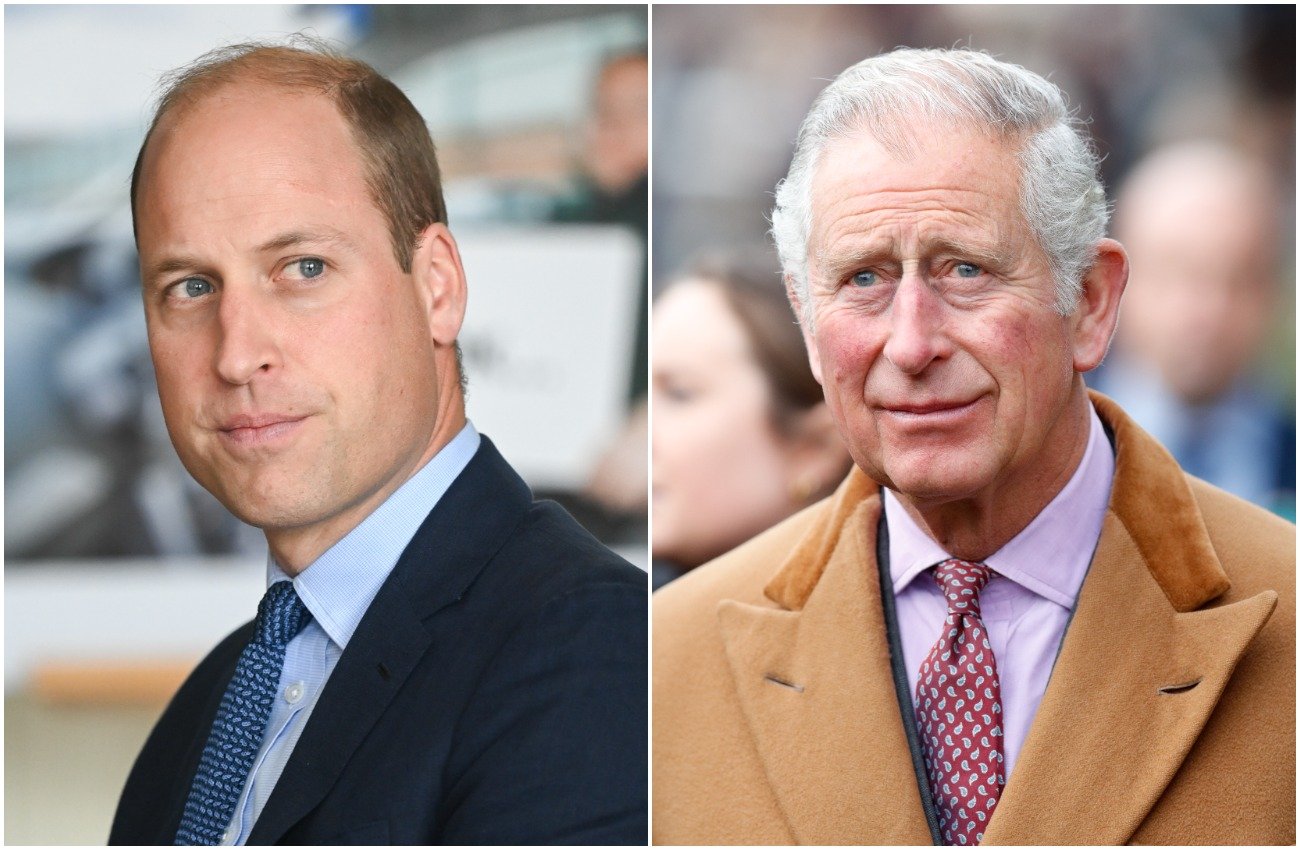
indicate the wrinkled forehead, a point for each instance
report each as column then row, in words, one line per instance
column 947, row 146
column 953, row 194
column 944, row 167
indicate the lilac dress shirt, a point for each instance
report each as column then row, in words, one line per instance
column 1027, row 604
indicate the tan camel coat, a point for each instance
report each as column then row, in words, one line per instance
column 1188, row 585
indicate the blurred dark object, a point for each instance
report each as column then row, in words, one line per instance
column 663, row 571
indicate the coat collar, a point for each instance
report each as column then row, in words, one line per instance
column 454, row 543
column 810, row 682
column 813, row 671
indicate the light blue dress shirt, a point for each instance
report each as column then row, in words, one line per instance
column 337, row 588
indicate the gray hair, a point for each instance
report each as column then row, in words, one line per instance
column 1061, row 195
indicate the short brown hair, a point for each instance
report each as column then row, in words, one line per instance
column 393, row 141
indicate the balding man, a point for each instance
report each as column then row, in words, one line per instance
column 1200, row 222
column 437, row 659
column 1017, row 620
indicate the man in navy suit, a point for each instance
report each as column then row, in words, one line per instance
column 472, row 668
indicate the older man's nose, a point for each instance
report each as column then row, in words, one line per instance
column 916, row 336
column 247, row 343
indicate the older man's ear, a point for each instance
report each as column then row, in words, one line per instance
column 1097, row 312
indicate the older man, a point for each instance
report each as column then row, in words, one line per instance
column 437, row 659
column 1017, row 621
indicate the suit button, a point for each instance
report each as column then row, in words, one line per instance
column 293, row 693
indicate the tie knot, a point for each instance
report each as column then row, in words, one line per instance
column 961, row 583
column 280, row 615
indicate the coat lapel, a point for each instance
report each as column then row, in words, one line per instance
column 1118, row 717
column 470, row 523
column 1143, row 664
column 1141, row 668
column 808, row 673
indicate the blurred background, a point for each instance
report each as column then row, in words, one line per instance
column 539, row 114
column 1193, row 110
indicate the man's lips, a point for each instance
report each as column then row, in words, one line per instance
column 932, row 412
column 257, row 430
column 921, row 408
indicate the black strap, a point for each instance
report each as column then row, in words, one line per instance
column 901, row 687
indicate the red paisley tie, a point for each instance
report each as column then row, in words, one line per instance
column 959, row 710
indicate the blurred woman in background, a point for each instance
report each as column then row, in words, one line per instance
column 741, row 436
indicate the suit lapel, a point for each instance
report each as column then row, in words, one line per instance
column 1142, row 665
column 354, row 698
column 814, row 681
column 469, row 524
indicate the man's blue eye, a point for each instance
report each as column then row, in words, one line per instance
column 865, row 279
column 968, row 270
column 196, row 286
column 311, row 267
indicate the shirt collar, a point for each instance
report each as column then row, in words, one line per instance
column 339, row 586
column 1050, row 556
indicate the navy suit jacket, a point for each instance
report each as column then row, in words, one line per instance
column 493, row 693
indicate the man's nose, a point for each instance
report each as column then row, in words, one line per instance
column 247, row 342
column 916, row 318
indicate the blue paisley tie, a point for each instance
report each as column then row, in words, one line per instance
column 237, row 731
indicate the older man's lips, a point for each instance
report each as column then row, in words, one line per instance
column 262, row 431
column 930, row 412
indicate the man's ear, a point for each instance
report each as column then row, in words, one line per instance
column 1097, row 312
column 805, row 327
column 440, row 283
